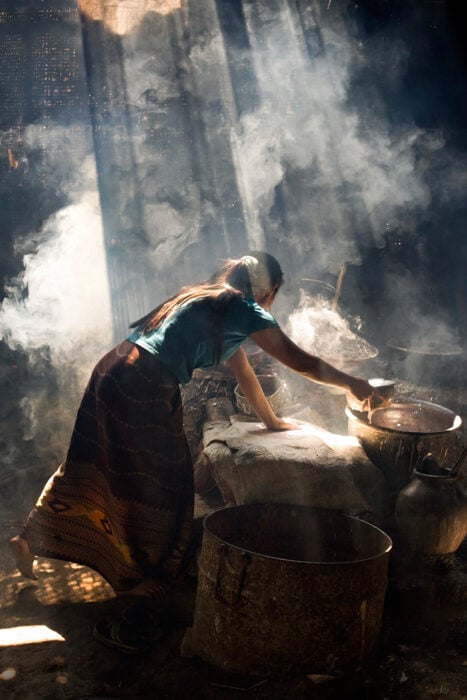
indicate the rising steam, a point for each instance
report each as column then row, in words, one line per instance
column 321, row 330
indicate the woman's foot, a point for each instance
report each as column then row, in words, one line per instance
column 137, row 631
column 121, row 636
column 156, row 590
column 23, row 557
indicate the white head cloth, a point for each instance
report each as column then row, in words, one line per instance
column 260, row 279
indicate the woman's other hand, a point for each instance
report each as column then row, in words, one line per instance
column 253, row 392
column 284, row 424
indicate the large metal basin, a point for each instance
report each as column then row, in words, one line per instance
column 287, row 588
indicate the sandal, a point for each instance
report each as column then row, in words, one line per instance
column 120, row 635
column 149, row 623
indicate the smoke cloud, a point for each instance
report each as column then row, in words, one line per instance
column 356, row 175
column 56, row 315
column 61, row 299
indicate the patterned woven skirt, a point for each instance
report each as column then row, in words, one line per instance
column 122, row 502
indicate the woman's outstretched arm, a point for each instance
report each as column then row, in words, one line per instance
column 277, row 344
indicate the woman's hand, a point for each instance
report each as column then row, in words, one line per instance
column 283, row 424
column 365, row 397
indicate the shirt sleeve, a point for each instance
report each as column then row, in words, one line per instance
column 257, row 318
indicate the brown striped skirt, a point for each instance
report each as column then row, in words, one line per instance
column 122, row 502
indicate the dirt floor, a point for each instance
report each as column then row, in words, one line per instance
column 422, row 652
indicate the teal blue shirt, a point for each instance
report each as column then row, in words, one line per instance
column 185, row 341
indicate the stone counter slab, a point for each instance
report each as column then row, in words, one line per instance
column 309, row 466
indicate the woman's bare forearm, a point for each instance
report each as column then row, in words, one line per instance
column 282, row 348
column 253, row 391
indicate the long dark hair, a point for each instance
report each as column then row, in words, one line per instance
column 232, row 280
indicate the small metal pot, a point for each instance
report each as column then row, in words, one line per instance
column 385, row 389
column 275, row 390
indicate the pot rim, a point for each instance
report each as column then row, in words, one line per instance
column 442, row 352
column 373, row 352
column 456, row 423
column 384, row 552
column 445, row 477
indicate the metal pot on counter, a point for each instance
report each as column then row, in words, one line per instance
column 394, row 437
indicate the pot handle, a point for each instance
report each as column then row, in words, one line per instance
column 227, row 570
column 457, row 470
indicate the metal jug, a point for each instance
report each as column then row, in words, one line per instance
column 431, row 510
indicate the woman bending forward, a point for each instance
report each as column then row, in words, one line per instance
column 122, row 501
